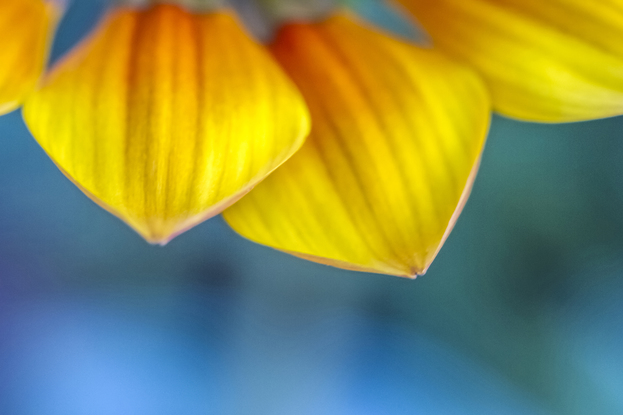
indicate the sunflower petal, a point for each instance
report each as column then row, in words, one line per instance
column 25, row 29
column 549, row 61
column 396, row 138
column 165, row 117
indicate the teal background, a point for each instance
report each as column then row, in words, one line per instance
column 521, row 313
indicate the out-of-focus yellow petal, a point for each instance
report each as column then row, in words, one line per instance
column 396, row 139
column 25, row 30
column 544, row 60
column 165, row 117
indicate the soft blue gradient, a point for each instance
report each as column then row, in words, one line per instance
column 521, row 313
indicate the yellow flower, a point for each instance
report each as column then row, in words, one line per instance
column 167, row 116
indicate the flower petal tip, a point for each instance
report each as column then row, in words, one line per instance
column 158, row 233
column 408, row 272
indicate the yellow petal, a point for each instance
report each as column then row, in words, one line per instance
column 165, row 117
column 25, row 31
column 396, row 138
column 544, row 60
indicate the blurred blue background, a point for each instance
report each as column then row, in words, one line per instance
column 521, row 313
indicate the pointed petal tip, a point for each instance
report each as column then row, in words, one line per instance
column 410, row 275
column 157, row 240
column 155, row 237
column 161, row 232
column 396, row 270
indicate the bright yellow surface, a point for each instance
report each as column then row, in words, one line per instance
column 544, row 60
column 396, row 138
column 25, row 30
column 165, row 118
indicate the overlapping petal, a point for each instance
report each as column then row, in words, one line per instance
column 544, row 60
column 25, row 30
column 166, row 117
column 396, row 139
